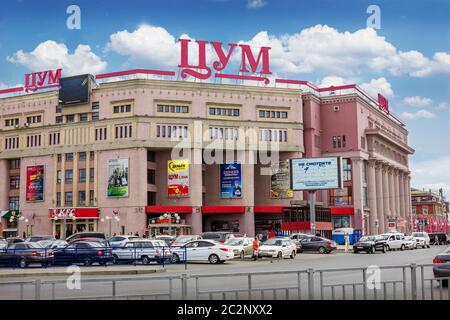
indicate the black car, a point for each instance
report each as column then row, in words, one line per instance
column 441, row 236
column 316, row 243
column 84, row 252
column 370, row 244
column 441, row 268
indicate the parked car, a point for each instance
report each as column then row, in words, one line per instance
column 422, row 239
column 22, row 254
column 410, row 243
column 278, row 247
column 441, row 268
column 203, row 250
column 99, row 240
column 220, row 236
column 166, row 238
column 120, row 241
column 438, row 238
column 394, row 241
column 85, row 235
column 143, row 250
column 3, row 244
column 52, row 244
column 297, row 237
column 182, row 240
column 12, row 240
column 242, row 247
column 85, row 252
column 39, row 238
column 320, row 244
column 370, row 244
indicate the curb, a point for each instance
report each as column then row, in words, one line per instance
column 84, row 272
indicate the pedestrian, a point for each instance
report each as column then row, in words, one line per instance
column 255, row 248
column 436, row 240
column 136, row 234
column 346, row 240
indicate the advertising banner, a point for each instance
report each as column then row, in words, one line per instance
column 178, row 178
column 231, row 180
column 118, row 177
column 280, row 181
column 35, row 184
column 316, row 173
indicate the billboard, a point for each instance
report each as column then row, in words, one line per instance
column 35, row 183
column 231, row 180
column 177, row 178
column 118, row 173
column 316, row 173
column 280, row 181
column 74, row 90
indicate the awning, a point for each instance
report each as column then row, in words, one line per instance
column 2, row 213
column 342, row 210
column 268, row 209
column 80, row 213
column 10, row 230
column 164, row 209
column 9, row 213
column 223, row 209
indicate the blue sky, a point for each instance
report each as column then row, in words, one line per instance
column 325, row 42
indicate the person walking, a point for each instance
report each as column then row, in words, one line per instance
column 255, row 248
column 346, row 240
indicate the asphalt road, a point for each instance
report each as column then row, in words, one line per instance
column 285, row 274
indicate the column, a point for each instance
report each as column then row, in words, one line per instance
column 407, row 181
column 386, row 202
column 372, row 196
column 248, row 187
column 380, row 202
column 391, row 184
column 196, row 190
column 4, row 184
column 402, row 195
column 396, row 174
column 357, row 194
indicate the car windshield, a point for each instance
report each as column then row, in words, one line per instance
column 184, row 239
column 234, row 242
column 418, row 234
column 45, row 243
column 273, row 242
column 35, row 245
column 367, row 239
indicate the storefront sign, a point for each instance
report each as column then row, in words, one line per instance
column 316, row 173
column 35, row 183
column 42, row 80
column 280, row 181
column 178, row 178
column 72, row 213
column 118, row 178
column 231, row 180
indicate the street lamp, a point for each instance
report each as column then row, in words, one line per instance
column 110, row 219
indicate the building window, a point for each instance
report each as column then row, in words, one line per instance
column 172, row 108
column 34, row 119
column 69, row 156
column 83, row 117
column 341, row 197
column 268, row 114
column 58, row 108
column 151, row 198
column 100, row 133
column 59, row 157
column 11, row 143
column 58, row 176
column 59, row 119
column 14, row 182
column 425, row 210
column 171, row 131
column 221, row 111
column 91, row 174
column 344, row 143
column 70, row 118
column 273, row 135
column 95, row 116
column 123, row 131
column 334, row 142
column 82, row 175
column 82, row 198
column 150, row 176
column 12, row 122
column 69, row 176
column 82, row 156
column 95, row 105
column 91, row 198
column 151, row 156
column 58, row 199
column 347, row 169
column 13, row 203
column 91, row 155
column 54, row 138
column 124, row 108
column 223, row 133
column 68, row 198
column 14, row 164
column 33, row 141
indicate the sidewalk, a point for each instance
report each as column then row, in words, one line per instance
column 90, row 271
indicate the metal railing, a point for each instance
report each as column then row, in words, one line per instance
column 400, row 282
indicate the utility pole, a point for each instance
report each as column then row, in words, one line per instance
column 312, row 211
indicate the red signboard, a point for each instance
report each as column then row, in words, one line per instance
column 35, row 183
column 84, row 213
column 42, row 80
column 383, row 103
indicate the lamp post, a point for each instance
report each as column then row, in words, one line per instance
column 64, row 214
column 110, row 219
column 17, row 218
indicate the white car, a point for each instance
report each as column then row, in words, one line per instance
column 167, row 239
column 422, row 239
column 202, row 250
column 138, row 250
column 278, row 247
column 394, row 241
column 120, row 241
column 410, row 242
column 241, row 246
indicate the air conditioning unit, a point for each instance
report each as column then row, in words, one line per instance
column 336, row 108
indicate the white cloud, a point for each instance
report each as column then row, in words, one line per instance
column 417, row 101
column 331, row 80
column 52, row 55
column 380, row 85
column 442, row 106
column 256, row 4
column 421, row 114
column 431, row 174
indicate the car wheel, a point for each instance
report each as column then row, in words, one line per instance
column 372, row 250
column 292, row 256
column 87, row 261
column 402, row 247
column 23, row 263
column 175, row 258
column 384, row 249
column 388, row 248
column 355, row 251
column 242, row 255
column 145, row 260
column 214, row 259
column 222, row 261
column 115, row 259
column 322, row 250
column 428, row 246
column 102, row 262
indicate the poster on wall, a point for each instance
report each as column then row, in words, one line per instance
column 280, row 181
column 118, row 172
column 316, row 173
column 231, row 180
column 178, row 178
column 35, row 184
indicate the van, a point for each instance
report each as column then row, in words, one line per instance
column 394, row 241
